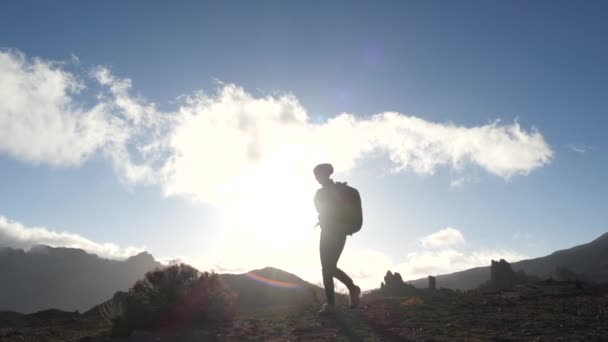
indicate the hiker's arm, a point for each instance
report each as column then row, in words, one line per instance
column 318, row 206
column 324, row 207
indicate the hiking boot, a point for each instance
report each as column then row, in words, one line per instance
column 327, row 309
column 354, row 297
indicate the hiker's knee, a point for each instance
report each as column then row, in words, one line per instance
column 329, row 270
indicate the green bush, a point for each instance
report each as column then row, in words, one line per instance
column 173, row 297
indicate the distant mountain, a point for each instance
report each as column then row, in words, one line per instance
column 589, row 260
column 64, row 278
column 255, row 289
column 269, row 287
column 70, row 279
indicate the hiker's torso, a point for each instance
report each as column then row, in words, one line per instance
column 327, row 202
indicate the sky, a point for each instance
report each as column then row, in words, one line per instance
column 474, row 130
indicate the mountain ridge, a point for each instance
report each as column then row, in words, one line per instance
column 64, row 278
column 72, row 279
column 270, row 286
column 588, row 260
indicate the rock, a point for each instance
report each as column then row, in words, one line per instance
column 501, row 275
column 394, row 285
column 432, row 283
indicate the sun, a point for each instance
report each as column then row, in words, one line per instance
column 282, row 216
column 274, row 207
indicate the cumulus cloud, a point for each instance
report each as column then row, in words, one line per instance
column 213, row 143
column 16, row 235
column 368, row 267
column 223, row 141
column 44, row 118
column 443, row 238
column 39, row 120
column 232, row 135
column 440, row 253
column 422, row 263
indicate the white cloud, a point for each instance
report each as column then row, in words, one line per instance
column 422, row 263
column 213, row 143
column 422, row 146
column 43, row 118
column 39, row 121
column 225, row 143
column 368, row 267
column 443, row 238
column 441, row 253
column 233, row 137
column 578, row 148
column 16, row 235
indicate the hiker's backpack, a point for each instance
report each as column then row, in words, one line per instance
column 351, row 212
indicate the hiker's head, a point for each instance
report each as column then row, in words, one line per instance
column 322, row 173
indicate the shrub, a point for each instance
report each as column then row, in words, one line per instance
column 174, row 297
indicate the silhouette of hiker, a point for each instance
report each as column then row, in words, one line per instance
column 333, row 237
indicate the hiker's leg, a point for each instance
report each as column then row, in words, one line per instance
column 328, row 279
column 354, row 291
column 330, row 247
column 340, row 242
column 344, row 278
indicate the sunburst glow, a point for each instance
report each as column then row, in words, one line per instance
column 271, row 203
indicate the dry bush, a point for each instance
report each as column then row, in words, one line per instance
column 173, row 297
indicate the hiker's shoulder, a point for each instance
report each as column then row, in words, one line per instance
column 325, row 191
column 319, row 192
column 342, row 185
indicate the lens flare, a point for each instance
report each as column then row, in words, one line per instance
column 272, row 282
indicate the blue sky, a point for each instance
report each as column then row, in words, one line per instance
column 466, row 64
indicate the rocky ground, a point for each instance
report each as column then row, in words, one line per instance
column 500, row 316
column 527, row 314
column 25, row 328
